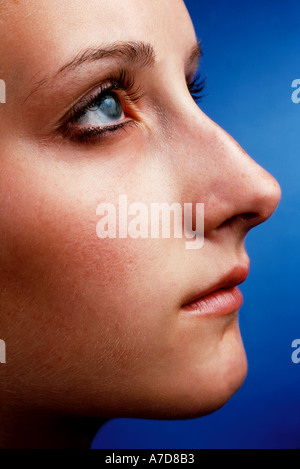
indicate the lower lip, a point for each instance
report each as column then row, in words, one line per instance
column 218, row 303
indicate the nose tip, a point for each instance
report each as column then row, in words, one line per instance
column 252, row 194
column 269, row 198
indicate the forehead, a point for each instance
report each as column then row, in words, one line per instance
column 39, row 34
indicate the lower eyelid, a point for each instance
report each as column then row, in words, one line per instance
column 96, row 134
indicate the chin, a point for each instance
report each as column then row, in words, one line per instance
column 203, row 388
column 225, row 374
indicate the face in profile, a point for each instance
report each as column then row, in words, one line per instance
column 101, row 101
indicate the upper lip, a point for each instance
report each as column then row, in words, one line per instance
column 235, row 276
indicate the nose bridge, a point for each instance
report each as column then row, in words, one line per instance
column 224, row 177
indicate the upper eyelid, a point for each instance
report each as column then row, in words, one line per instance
column 113, row 83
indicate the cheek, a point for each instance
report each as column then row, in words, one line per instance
column 101, row 296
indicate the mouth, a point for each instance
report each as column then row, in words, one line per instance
column 221, row 299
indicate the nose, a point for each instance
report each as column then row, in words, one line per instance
column 236, row 191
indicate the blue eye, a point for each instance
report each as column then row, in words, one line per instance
column 105, row 109
column 103, row 113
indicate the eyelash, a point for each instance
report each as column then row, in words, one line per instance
column 196, row 88
column 123, row 86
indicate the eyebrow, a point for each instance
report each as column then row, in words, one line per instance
column 133, row 53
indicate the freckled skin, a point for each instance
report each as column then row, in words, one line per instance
column 94, row 327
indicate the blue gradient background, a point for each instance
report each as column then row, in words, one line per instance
column 251, row 58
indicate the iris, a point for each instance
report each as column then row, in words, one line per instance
column 107, row 109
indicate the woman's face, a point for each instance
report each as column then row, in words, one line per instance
column 97, row 326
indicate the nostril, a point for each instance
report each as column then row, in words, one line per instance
column 249, row 216
column 248, row 219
